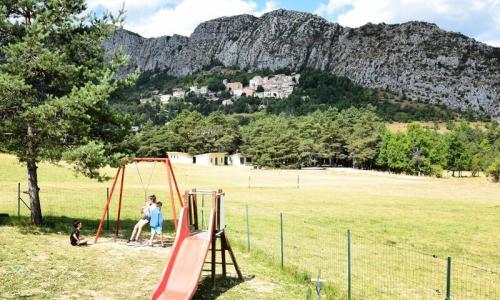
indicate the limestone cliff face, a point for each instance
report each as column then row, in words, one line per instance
column 416, row 59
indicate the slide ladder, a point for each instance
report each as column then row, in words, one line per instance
column 182, row 273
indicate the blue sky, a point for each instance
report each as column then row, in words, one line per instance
column 479, row 19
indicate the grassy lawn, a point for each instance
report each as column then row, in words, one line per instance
column 395, row 222
column 41, row 264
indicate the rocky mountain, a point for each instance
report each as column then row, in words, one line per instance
column 415, row 59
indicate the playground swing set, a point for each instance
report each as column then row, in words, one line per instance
column 188, row 256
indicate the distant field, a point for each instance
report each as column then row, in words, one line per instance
column 392, row 218
column 399, row 126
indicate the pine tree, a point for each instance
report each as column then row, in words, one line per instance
column 54, row 87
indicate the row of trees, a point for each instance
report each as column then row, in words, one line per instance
column 354, row 137
column 421, row 150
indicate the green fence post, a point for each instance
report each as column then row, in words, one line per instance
column 19, row 200
column 281, row 229
column 448, row 279
column 248, row 228
column 349, row 274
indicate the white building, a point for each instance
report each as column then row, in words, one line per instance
column 180, row 157
column 237, row 159
column 227, row 102
column 237, row 93
column 199, row 91
column 234, row 86
column 164, row 99
column 213, row 159
column 203, row 90
column 178, row 93
column 255, row 82
column 145, row 100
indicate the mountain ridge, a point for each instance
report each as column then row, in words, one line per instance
column 415, row 59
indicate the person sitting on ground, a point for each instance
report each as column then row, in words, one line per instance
column 75, row 238
column 156, row 224
column 145, row 215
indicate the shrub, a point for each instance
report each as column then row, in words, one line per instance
column 437, row 170
column 494, row 170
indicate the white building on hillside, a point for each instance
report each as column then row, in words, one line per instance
column 145, row 100
column 237, row 93
column 199, row 91
column 255, row 82
column 164, row 99
column 234, row 86
column 227, row 102
column 178, row 93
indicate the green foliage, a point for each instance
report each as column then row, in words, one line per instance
column 346, row 138
column 87, row 159
column 191, row 132
column 271, row 141
column 493, row 170
column 215, row 85
column 417, row 151
column 437, row 170
column 54, row 83
column 422, row 150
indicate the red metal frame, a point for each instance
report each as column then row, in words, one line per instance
column 121, row 170
column 172, row 202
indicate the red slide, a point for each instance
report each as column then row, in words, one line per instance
column 183, row 270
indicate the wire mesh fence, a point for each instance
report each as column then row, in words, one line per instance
column 365, row 268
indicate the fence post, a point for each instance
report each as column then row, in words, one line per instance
column 448, row 279
column 349, row 281
column 19, row 200
column 298, row 181
column 281, row 230
column 107, row 210
column 248, row 228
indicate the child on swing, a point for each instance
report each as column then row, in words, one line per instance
column 146, row 215
column 156, row 224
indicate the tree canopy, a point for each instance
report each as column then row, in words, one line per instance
column 54, row 87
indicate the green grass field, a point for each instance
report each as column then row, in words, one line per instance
column 395, row 222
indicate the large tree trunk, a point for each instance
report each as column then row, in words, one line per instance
column 36, row 210
column 33, row 190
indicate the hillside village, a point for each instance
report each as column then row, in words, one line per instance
column 279, row 86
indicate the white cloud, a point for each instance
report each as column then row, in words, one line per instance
column 269, row 6
column 477, row 18
column 155, row 18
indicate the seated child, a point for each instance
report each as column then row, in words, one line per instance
column 156, row 223
column 75, row 238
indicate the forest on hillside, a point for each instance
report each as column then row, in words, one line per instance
column 316, row 90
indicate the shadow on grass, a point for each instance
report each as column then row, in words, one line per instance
column 206, row 291
column 64, row 225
